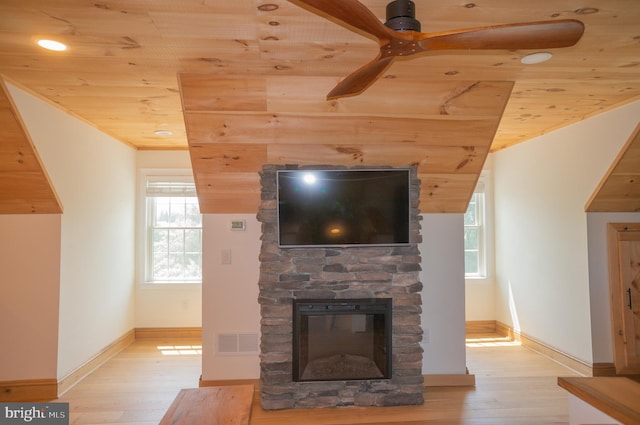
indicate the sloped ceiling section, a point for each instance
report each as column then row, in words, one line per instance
column 25, row 187
column 235, row 125
column 619, row 191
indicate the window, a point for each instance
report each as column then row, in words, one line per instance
column 474, row 235
column 173, row 230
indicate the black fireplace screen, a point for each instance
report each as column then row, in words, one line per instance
column 341, row 339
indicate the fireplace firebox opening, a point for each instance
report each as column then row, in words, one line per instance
column 345, row 339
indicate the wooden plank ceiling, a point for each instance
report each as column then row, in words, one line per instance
column 254, row 75
column 231, row 140
column 24, row 184
column 620, row 187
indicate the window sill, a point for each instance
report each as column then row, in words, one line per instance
column 479, row 280
column 169, row 285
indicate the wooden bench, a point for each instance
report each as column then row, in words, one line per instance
column 229, row 405
column 617, row 397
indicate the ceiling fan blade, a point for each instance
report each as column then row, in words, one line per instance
column 350, row 12
column 528, row 35
column 358, row 81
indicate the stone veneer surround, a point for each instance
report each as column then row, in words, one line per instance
column 337, row 273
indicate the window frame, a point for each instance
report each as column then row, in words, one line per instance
column 144, row 239
column 485, row 244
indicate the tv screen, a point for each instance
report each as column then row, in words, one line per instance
column 343, row 207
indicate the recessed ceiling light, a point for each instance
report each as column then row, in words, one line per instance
column 163, row 133
column 534, row 58
column 52, row 45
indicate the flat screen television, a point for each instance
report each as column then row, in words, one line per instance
column 350, row 207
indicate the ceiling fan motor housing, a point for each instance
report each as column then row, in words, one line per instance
column 401, row 16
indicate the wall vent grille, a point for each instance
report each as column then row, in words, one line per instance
column 245, row 343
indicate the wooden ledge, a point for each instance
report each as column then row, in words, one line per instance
column 211, row 406
column 616, row 396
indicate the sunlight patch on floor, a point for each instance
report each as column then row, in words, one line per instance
column 180, row 350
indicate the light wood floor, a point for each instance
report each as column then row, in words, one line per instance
column 136, row 386
column 514, row 386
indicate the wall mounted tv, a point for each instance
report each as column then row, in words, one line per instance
column 345, row 207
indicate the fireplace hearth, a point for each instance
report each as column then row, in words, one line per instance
column 341, row 339
column 340, row 326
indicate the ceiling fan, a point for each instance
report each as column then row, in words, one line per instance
column 400, row 36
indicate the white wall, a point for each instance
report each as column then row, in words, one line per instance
column 480, row 296
column 94, row 176
column 30, row 285
column 163, row 305
column 443, row 295
column 230, row 294
column 541, row 187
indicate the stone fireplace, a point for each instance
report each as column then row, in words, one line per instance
column 340, row 326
